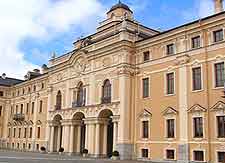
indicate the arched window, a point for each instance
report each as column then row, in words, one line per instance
column 58, row 101
column 106, row 92
column 81, row 95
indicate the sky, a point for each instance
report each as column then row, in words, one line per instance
column 30, row 31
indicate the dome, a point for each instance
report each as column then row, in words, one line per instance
column 120, row 5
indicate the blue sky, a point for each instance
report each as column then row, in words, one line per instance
column 36, row 28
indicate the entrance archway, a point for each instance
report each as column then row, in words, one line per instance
column 57, row 133
column 107, row 132
column 79, row 133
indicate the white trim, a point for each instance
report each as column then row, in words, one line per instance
column 216, row 155
column 202, row 77
column 165, row 83
column 141, row 129
column 218, row 113
column 212, row 41
column 149, row 87
column 193, row 36
column 149, row 154
column 203, row 126
column 165, row 128
column 165, row 154
column 198, row 149
column 213, row 72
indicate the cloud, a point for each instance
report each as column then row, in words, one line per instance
column 39, row 20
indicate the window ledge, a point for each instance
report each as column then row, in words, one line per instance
column 168, row 95
column 215, row 88
column 197, row 91
column 221, row 139
column 146, row 98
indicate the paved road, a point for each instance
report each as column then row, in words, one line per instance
column 19, row 157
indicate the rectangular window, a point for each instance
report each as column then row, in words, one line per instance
column 38, row 132
column 198, row 127
column 221, row 126
column 221, row 157
column 170, row 83
column 170, row 49
column 19, row 133
column 170, row 154
column 219, row 74
column 30, row 136
column 25, row 133
column 1, row 94
column 195, row 41
column 197, row 78
column 145, row 87
column 41, row 105
column 24, row 145
column 32, row 109
column 29, row 146
column 0, row 110
column 146, row 56
column 9, row 132
column 14, row 132
column 218, row 35
column 37, row 147
column 144, row 153
column 27, row 111
column 145, row 129
column 198, row 156
column 21, row 108
column 170, row 128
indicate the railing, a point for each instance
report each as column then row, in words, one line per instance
column 106, row 100
column 58, row 107
column 78, row 104
column 18, row 117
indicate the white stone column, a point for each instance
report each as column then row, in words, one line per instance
column 91, row 140
column 115, row 134
column 35, row 121
column 51, row 138
column 71, row 147
column 104, row 139
column 78, row 139
column 66, row 138
column 86, row 136
column 58, row 137
column 97, row 140
column 47, row 131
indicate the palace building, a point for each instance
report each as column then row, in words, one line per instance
column 148, row 94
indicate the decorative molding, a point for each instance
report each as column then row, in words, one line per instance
column 145, row 114
column 181, row 60
column 197, row 108
column 170, row 111
column 220, row 105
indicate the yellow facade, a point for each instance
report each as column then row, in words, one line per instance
column 92, row 97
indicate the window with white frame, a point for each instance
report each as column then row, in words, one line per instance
column 221, row 126
column 170, row 125
column 145, row 87
column 198, row 127
column 219, row 74
column 196, row 78
column 170, row 154
column 218, row 35
column 195, row 42
column 198, row 155
column 221, row 157
column 170, row 49
column 145, row 129
column 146, row 56
column 170, row 83
column 144, row 153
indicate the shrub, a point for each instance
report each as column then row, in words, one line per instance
column 85, row 151
column 61, row 149
column 43, row 148
column 115, row 153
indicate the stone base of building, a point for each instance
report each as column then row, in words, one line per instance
column 125, row 151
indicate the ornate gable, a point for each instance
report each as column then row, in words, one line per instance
column 197, row 108
column 170, row 111
column 145, row 114
column 220, row 105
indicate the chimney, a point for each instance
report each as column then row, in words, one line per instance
column 3, row 76
column 218, row 6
